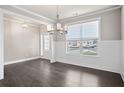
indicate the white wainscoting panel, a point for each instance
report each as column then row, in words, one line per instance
column 109, row 57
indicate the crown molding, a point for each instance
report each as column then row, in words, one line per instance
column 9, row 10
column 45, row 20
column 24, row 17
column 64, row 20
column 30, row 12
column 21, row 22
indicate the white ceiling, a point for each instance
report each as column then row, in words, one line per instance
column 65, row 11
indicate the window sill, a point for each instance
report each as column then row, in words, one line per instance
column 74, row 54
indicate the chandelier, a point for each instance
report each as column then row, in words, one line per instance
column 57, row 28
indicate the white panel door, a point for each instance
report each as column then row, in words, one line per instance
column 1, row 45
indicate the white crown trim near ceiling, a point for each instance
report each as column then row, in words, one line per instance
column 22, row 16
column 53, row 21
column 21, row 22
column 89, row 14
column 11, row 13
column 33, row 13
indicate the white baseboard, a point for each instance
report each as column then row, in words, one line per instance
column 122, row 76
column 22, row 60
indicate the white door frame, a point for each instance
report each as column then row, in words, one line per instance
column 1, row 45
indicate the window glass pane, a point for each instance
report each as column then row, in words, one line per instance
column 83, row 38
column 41, row 45
column 73, row 37
column 46, row 42
column 73, row 32
column 73, row 46
column 89, row 38
column 90, row 30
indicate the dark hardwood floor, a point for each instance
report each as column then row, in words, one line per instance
column 40, row 73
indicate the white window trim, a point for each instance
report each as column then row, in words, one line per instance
column 99, row 37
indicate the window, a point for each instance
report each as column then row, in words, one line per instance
column 73, row 38
column 83, row 38
column 41, row 45
column 46, row 42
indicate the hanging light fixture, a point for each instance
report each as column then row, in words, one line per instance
column 58, row 27
column 24, row 25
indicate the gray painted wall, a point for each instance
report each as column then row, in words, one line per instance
column 20, row 43
column 110, row 24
